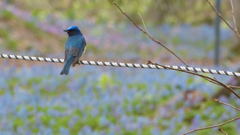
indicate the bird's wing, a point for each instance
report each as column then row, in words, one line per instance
column 66, row 54
column 77, row 52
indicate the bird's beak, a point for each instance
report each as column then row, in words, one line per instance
column 65, row 30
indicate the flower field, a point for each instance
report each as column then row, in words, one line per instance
column 95, row 100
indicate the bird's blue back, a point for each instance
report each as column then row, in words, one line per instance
column 75, row 41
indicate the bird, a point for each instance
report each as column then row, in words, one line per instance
column 74, row 48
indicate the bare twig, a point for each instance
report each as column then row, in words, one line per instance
column 234, row 30
column 233, row 16
column 144, row 24
column 219, row 125
column 227, row 104
column 194, row 73
column 205, row 77
column 221, row 130
column 234, row 87
column 145, row 32
column 230, row 86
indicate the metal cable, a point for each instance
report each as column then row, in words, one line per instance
column 115, row 64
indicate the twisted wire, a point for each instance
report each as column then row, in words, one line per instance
column 116, row 64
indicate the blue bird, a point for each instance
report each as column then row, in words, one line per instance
column 74, row 48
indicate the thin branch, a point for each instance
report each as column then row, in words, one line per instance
column 227, row 104
column 145, row 32
column 144, row 24
column 234, row 30
column 230, row 86
column 205, row 77
column 194, row 73
column 234, row 87
column 219, row 14
column 219, row 125
column 233, row 16
column 221, row 130
column 234, row 20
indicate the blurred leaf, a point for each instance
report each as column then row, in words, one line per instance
column 139, row 86
column 105, row 81
column 3, row 33
column 190, row 81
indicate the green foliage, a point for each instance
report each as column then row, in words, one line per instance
column 155, row 12
column 3, row 33
column 14, row 29
column 139, row 86
column 18, row 122
column 176, row 40
column 5, row 15
column 12, row 83
column 36, row 12
column 106, row 81
column 34, row 80
column 190, row 81
column 45, row 119
column 12, row 45
column 32, row 27
column 93, row 49
column 8, row 43
column 2, row 92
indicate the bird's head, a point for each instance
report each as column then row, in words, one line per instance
column 73, row 30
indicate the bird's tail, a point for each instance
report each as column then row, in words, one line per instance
column 67, row 66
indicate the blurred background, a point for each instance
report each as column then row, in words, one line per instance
column 35, row 99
